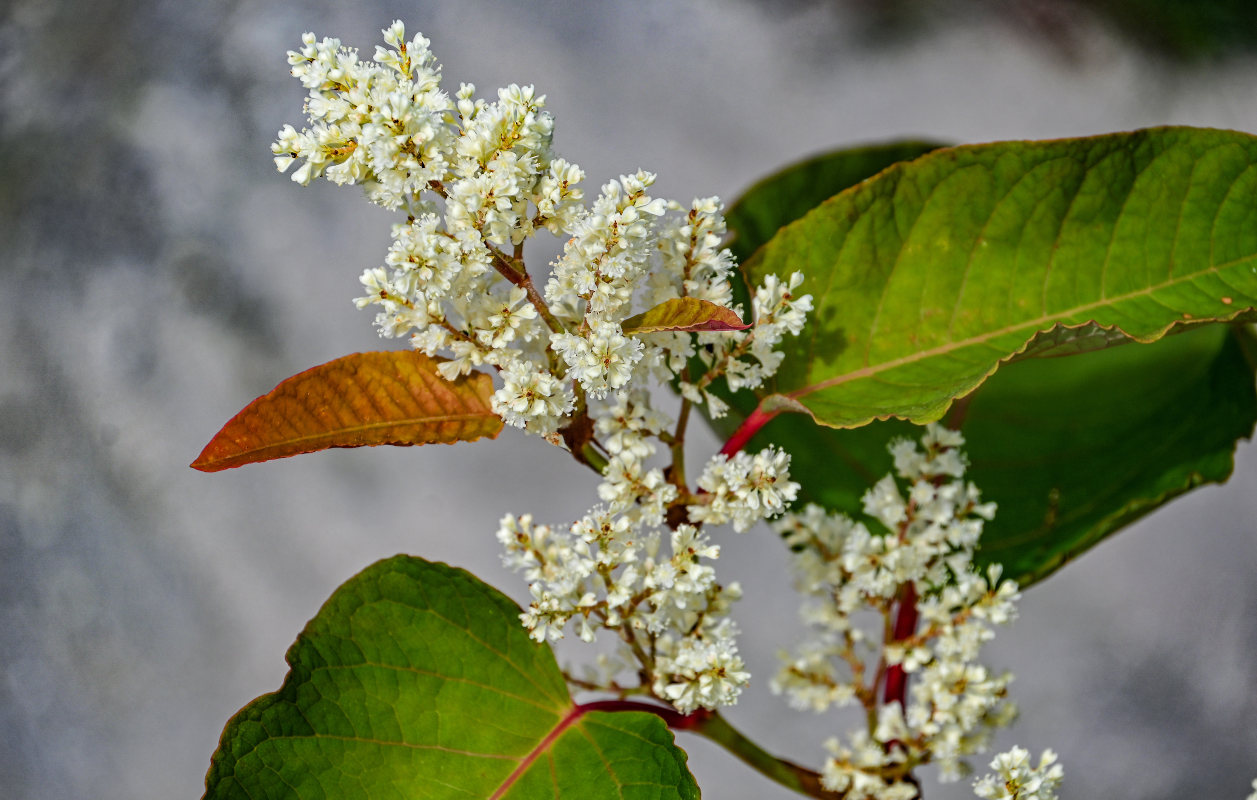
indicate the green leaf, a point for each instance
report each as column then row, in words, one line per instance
column 783, row 197
column 684, row 315
column 1074, row 449
column 416, row 680
column 364, row 399
column 1111, row 435
column 928, row 276
column 1071, row 449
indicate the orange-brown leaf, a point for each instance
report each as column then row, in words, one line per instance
column 361, row 399
column 685, row 314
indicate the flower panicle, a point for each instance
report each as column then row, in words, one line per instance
column 477, row 178
column 922, row 526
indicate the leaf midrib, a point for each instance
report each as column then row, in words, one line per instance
column 388, row 423
column 286, row 444
column 1055, row 318
column 568, row 720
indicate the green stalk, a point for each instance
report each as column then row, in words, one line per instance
column 716, row 728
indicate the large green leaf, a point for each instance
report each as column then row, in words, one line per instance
column 1072, row 449
column 931, row 274
column 788, row 194
column 416, row 680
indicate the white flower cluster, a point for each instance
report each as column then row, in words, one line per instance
column 611, row 569
column 604, row 572
column 925, row 558
column 743, row 489
column 479, row 178
column 1015, row 779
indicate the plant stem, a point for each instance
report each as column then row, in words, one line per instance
column 712, row 726
column 512, row 268
column 677, row 473
column 801, row 779
column 905, row 627
column 539, row 303
column 749, row 427
column 595, row 459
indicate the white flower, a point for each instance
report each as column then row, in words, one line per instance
column 1015, row 779
column 810, row 678
column 628, row 486
column 884, row 504
column 507, row 318
column 854, row 769
column 744, row 489
column 702, row 673
column 530, row 396
column 626, row 424
column 602, row 361
column 927, row 543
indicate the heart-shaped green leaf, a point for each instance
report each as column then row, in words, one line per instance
column 416, row 680
column 931, row 274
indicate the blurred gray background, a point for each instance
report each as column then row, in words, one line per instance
column 157, row 274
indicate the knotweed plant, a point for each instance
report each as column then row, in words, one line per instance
column 418, row 680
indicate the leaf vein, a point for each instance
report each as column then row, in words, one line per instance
column 984, row 338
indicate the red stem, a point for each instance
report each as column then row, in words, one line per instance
column 672, row 718
column 749, row 427
column 905, row 627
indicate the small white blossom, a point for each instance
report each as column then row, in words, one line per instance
column 744, row 489
column 533, row 397
column 1016, row 779
column 602, row 361
column 702, row 673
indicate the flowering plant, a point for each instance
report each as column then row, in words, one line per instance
column 864, row 292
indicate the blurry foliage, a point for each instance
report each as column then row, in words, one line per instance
column 1176, row 30
column 1182, row 29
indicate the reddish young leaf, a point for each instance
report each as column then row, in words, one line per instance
column 361, row 399
column 685, row 314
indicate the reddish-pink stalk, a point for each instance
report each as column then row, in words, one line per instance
column 672, row 718
column 749, row 427
column 905, row 627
